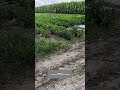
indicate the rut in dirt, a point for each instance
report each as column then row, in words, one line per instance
column 72, row 59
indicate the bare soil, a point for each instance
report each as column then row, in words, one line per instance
column 71, row 59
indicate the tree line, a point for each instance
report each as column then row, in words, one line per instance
column 65, row 7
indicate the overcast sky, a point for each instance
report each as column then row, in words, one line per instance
column 45, row 2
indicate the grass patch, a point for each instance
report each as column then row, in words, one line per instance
column 60, row 31
column 44, row 47
column 65, row 20
column 56, row 24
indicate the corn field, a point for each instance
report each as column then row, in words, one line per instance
column 65, row 7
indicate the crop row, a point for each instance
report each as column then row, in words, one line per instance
column 59, row 31
column 65, row 7
column 58, row 24
column 65, row 20
column 48, row 25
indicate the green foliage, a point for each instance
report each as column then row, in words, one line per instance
column 42, row 31
column 57, row 24
column 44, row 46
column 65, row 7
column 48, row 24
column 77, row 33
column 65, row 20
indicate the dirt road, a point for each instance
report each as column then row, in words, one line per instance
column 72, row 59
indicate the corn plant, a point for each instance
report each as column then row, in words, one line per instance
column 65, row 7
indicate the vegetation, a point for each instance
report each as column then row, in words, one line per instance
column 65, row 20
column 65, row 7
column 58, row 24
column 44, row 46
column 47, row 24
column 58, row 20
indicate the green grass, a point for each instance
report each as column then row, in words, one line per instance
column 56, row 24
column 65, row 20
column 44, row 47
column 47, row 24
column 59, row 31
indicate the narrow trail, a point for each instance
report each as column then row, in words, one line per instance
column 72, row 59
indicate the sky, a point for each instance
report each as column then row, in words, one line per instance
column 45, row 2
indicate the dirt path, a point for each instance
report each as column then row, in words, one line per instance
column 72, row 59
